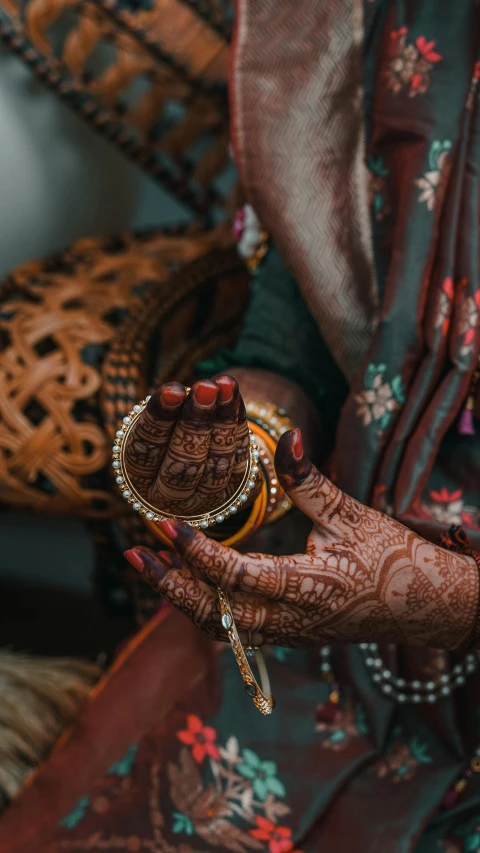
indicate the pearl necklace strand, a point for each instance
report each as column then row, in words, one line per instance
column 399, row 689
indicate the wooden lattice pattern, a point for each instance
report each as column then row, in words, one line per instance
column 149, row 76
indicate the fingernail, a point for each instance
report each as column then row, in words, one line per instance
column 135, row 560
column 226, row 387
column 172, row 394
column 205, row 393
column 168, row 529
column 164, row 402
column 297, row 445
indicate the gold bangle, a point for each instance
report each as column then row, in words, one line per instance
column 261, row 696
column 273, row 419
column 278, row 502
column 253, row 522
column 152, row 513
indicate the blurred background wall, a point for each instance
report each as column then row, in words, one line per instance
column 58, row 180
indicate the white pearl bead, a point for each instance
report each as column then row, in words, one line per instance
column 378, row 663
column 233, row 510
column 273, row 490
column 137, row 408
column 374, row 647
column 460, row 679
column 119, row 433
column 444, row 678
column 445, row 691
column 116, row 464
column 386, row 673
column 136, row 505
column 457, row 669
column 431, row 698
column 376, row 677
column 255, row 469
column 364, row 646
column 219, row 518
column 401, row 697
column 430, row 685
column 126, row 493
column 149, row 516
column 243, row 498
column 255, row 455
column 127, row 420
column 262, row 412
column 325, row 667
column 416, row 698
column 400, row 682
column 325, row 651
column 116, row 448
column 204, row 524
column 251, row 484
column 416, row 685
column 387, row 688
column 370, row 662
column 119, row 480
column 471, row 667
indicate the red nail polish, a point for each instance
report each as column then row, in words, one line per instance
column 205, row 393
column 135, row 560
column 168, row 529
column 172, row 395
column 226, row 387
column 297, row 446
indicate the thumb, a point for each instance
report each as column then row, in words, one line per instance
column 310, row 491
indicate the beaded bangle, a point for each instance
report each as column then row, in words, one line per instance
column 457, row 540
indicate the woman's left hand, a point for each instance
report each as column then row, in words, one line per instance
column 363, row 577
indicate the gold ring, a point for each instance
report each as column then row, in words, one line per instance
column 261, row 696
column 155, row 514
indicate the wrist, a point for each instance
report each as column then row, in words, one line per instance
column 263, row 386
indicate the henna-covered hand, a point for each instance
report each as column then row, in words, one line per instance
column 364, row 576
column 187, row 453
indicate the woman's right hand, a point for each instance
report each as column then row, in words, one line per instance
column 188, row 452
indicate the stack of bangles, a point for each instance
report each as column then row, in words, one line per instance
column 258, row 499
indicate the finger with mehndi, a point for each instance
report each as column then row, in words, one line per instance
column 197, row 600
column 243, row 444
column 259, row 575
column 186, row 455
column 314, row 495
column 148, row 440
column 222, row 450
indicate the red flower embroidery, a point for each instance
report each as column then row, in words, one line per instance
column 201, row 738
column 476, row 71
column 446, row 497
column 279, row 837
column 426, row 49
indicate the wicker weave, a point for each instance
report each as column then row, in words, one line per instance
column 93, row 315
column 150, row 77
